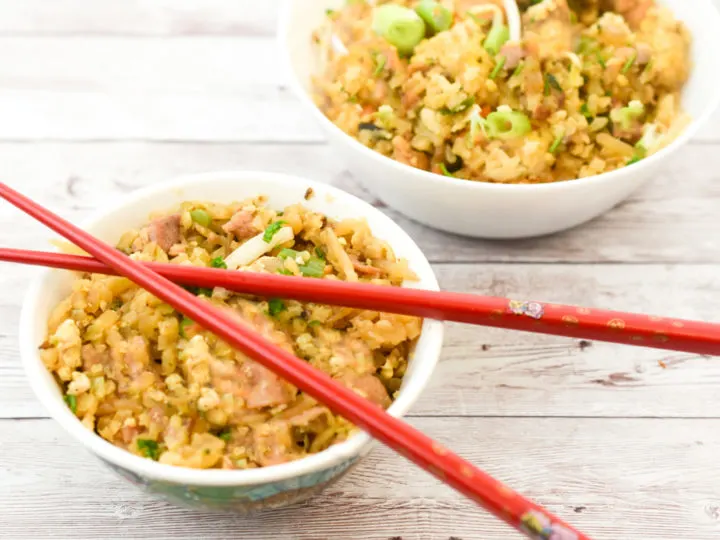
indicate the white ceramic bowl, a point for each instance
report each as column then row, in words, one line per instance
column 496, row 210
column 222, row 489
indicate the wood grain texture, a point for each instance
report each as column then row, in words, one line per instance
column 501, row 373
column 613, row 478
column 672, row 220
column 158, row 18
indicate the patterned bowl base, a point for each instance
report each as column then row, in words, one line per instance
column 240, row 499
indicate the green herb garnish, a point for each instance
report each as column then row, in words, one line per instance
column 275, row 306
column 319, row 252
column 272, row 230
column 149, row 448
column 379, row 60
column 285, row 272
column 313, row 268
column 445, row 172
column 460, row 107
column 551, row 83
column 601, row 60
column 629, row 63
column 184, row 323
column 634, row 159
column 314, row 322
column 518, row 69
column 585, row 111
column 500, row 63
column 556, row 143
column 225, row 434
column 218, row 262
column 287, row 253
column 71, row 401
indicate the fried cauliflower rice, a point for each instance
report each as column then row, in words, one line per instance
column 593, row 86
column 149, row 380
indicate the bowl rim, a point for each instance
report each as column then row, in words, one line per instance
column 432, row 332
column 333, row 131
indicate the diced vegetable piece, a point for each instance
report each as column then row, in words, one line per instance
column 551, row 83
column 647, row 141
column 499, row 64
column 313, row 268
column 275, row 306
column 556, row 143
column 497, row 37
column 507, row 125
column 225, row 434
column 287, row 253
column 436, row 16
column 257, row 246
column 71, row 401
column 184, row 323
column 625, row 116
column 400, row 26
column 272, row 230
column 464, row 105
column 218, row 262
column 629, row 63
column 445, row 172
column 149, row 448
column 201, row 217
column 379, row 60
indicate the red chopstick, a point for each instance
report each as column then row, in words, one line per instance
column 569, row 321
column 507, row 505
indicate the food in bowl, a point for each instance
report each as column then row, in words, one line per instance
column 592, row 87
column 150, row 381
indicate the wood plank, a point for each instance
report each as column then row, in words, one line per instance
column 612, row 478
column 674, row 219
column 199, row 88
column 501, row 373
column 138, row 17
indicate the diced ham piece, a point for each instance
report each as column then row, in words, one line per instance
column 241, row 225
column 368, row 386
column 634, row 11
column 273, row 443
column 365, row 269
column 513, row 53
column 165, row 232
column 266, row 388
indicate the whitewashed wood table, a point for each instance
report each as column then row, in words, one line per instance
column 100, row 98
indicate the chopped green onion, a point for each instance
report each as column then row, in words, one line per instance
column 184, row 323
column 475, row 18
column 629, row 63
column 202, row 291
column 573, row 17
column 585, row 111
column 556, row 143
column 518, row 69
column 313, row 268
column 225, row 434
column 634, row 160
column 585, row 45
column 329, row 12
column 149, row 448
column 275, row 306
column 319, row 252
column 71, row 401
column 379, row 60
column 285, row 272
column 477, row 123
column 201, row 217
column 551, row 83
column 287, row 253
column 498, row 66
column 314, row 322
column 400, row 26
column 648, row 139
column 272, row 230
column 445, row 172
column 600, row 60
column 464, row 105
column 218, row 262
column 437, row 17
column 625, row 115
column 497, row 37
column 507, row 125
